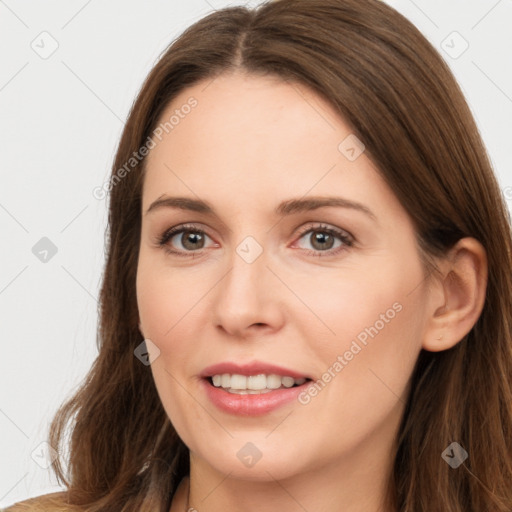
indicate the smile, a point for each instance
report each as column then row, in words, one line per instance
column 254, row 384
column 253, row 402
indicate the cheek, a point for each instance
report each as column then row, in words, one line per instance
column 166, row 297
column 370, row 388
column 377, row 317
column 348, row 304
column 166, row 309
column 170, row 302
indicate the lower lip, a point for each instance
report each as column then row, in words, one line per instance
column 251, row 404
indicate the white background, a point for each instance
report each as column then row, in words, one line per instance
column 60, row 121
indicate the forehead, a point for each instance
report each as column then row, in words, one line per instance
column 265, row 113
column 250, row 138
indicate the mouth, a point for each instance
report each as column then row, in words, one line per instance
column 253, row 395
column 254, row 384
column 252, row 388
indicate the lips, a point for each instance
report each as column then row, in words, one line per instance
column 251, row 403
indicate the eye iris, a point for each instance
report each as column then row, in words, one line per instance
column 193, row 237
column 320, row 237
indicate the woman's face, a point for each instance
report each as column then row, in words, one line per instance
column 265, row 282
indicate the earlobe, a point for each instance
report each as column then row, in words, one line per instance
column 457, row 297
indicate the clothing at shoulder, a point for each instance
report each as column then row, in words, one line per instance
column 53, row 502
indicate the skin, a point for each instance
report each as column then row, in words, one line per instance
column 250, row 143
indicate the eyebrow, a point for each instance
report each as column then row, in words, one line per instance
column 287, row 207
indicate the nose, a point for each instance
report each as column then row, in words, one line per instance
column 248, row 301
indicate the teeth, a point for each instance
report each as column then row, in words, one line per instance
column 254, row 383
column 237, row 381
column 273, row 381
column 287, row 382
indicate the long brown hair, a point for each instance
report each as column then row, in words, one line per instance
column 400, row 98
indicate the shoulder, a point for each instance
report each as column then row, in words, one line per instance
column 53, row 502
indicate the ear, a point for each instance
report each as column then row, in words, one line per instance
column 140, row 330
column 457, row 297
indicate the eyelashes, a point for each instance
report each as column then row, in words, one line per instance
column 163, row 241
column 346, row 240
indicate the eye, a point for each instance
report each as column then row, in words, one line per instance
column 192, row 239
column 323, row 238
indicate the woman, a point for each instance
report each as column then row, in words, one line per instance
column 339, row 338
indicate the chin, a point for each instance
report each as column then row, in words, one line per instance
column 254, row 461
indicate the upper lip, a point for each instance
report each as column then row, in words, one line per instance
column 252, row 368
